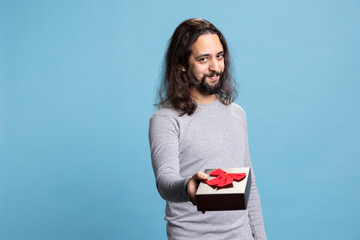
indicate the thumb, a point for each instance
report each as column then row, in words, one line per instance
column 200, row 176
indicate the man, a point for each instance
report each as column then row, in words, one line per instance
column 198, row 126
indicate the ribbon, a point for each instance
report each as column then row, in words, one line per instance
column 223, row 178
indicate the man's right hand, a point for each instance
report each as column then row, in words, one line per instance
column 193, row 184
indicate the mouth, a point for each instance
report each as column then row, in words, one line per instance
column 214, row 78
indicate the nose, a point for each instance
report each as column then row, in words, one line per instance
column 214, row 65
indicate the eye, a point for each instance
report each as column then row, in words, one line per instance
column 203, row 59
column 220, row 56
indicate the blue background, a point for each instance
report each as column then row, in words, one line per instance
column 78, row 80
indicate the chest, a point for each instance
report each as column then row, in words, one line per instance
column 213, row 142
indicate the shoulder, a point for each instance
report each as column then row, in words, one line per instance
column 166, row 112
column 165, row 118
column 237, row 110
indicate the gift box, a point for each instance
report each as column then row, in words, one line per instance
column 233, row 196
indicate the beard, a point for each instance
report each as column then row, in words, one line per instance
column 206, row 88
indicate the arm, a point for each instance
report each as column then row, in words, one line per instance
column 254, row 204
column 164, row 147
column 255, row 212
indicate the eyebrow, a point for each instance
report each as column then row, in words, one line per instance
column 207, row 54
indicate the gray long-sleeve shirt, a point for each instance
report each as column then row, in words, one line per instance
column 215, row 136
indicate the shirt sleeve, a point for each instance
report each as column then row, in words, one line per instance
column 255, row 212
column 164, row 147
column 254, row 204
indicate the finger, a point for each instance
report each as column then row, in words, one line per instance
column 200, row 176
column 192, row 200
column 193, row 185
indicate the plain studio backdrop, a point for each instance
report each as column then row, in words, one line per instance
column 78, row 80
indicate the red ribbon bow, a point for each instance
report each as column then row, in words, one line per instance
column 223, row 178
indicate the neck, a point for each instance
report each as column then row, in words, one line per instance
column 202, row 98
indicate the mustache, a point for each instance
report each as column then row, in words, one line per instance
column 212, row 74
column 197, row 83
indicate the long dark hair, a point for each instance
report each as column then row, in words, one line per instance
column 175, row 84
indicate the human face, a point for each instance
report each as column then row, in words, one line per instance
column 206, row 63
